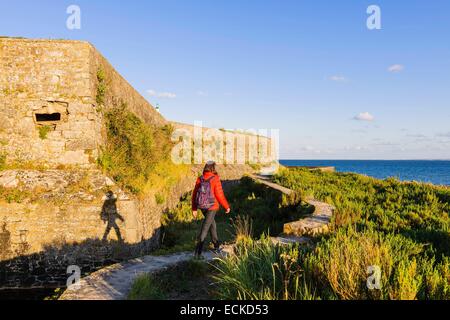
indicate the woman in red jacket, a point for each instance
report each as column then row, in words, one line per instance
column 208, row 196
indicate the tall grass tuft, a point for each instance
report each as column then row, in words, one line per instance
column 260, row 270
column 340, row 263
column 243, row 229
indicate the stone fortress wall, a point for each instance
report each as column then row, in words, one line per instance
column 228, row 146
column 40, row 80
column 51, row 133
column 54, row 83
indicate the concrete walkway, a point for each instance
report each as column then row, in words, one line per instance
column 266, row 180
column 114, row 282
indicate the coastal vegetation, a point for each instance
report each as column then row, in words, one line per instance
column 136, row 155
column 398, row 227
column 415, row 210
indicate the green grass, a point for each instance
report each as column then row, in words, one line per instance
column 407, row 272
column 336, row 269
column 401, row 227
column 415, row 210
column 187, row 280
column 262, row 271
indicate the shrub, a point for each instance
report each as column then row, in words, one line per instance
column 436, row 280
column 135, row 151
column 14, row 195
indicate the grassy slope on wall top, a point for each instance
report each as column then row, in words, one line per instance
column 137, row 155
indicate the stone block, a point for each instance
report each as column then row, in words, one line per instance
column 8, row 179
column 79, row 108
column 70, row 157
column 71, row 134
column 26, row 127
column 80, row 144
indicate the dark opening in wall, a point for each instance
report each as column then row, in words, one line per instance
column 48, row 117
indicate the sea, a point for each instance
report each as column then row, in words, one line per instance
column 429, row 171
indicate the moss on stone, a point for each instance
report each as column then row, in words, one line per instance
column 2, row 161
column 101, row 87
column 43, row 131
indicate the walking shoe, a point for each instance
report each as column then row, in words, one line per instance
column 199, row 249
column 217, row 249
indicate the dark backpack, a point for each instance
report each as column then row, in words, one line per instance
column 205, row 198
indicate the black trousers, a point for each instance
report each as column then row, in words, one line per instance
column 209, row 225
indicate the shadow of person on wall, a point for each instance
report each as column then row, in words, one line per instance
column 109, row 215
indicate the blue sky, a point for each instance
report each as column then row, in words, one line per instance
column 308, row 68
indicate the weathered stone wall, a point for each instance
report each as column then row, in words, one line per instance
column 60, row 220
column 230, row 147
column 119, row 91
column 53, row 200
column 45, row 77
column 59, row 206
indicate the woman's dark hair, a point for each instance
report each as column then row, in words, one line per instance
column 210, row 167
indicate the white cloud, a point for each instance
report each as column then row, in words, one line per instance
column 396, row 68
column 162, row 95
column 364, row 116
column 337, row 78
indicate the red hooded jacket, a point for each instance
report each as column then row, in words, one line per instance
column 216, row 188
